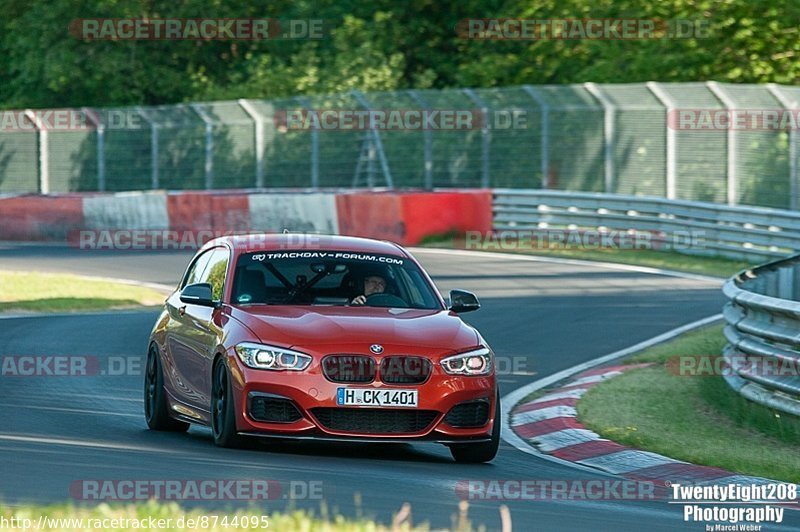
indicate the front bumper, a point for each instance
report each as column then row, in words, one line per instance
column 314, row 397
column 369, row 439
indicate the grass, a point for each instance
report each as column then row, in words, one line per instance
column 45, row 292
column 705, row 341
column 695, row 419
column 670, row 260
column 91, row 518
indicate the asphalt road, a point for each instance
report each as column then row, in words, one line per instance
column 539, row 317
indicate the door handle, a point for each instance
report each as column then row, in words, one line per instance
column 182, row 310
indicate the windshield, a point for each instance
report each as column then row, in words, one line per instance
column 331, row 278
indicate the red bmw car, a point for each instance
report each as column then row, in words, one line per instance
column 320, row 337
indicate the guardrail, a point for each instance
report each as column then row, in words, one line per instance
column 763, row 333
column 763, row 311
column 749, row 233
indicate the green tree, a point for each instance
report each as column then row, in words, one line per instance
column 379, row 45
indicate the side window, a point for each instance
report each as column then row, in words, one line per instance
column 414, row 296
column 197, row 268
column 215, row 272
column 413, row 280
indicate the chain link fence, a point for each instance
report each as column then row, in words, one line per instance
column 673, row 140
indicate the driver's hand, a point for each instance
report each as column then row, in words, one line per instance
column 359, row 300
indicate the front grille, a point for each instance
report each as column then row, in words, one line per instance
column 374, row 420
column 470, row 414
column 405, row 370
column 273, row 409
column 348, row 368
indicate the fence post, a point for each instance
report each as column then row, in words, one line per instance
column 44, row 155
column 258, row 127
column 485, row 138
column 306, row 103
column 376, row 140
column 671, row 148
column 608, row 132
column 789, row 105
column 154, row 178
column 428, row 139
column 209, row 166
column 545, row 133
column 718, row 91
column 100, row 129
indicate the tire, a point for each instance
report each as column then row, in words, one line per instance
column 156, row 412
column 475, row 453
column 223, row 416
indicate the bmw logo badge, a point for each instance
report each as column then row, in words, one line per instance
column 376, row 348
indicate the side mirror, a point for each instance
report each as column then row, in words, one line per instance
column 199, row 294
column 462, row 301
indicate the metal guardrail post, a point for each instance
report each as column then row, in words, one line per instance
column 209, row 124
column 428, row 140
column 785, row 283
column 154, row 127
column 258, row 132
column 485, row 137
column 544, row 132
column 789, row 105
column 44, row 151
column 608, row 132
column 671, row 147
column 729, row 104
column 100, row 129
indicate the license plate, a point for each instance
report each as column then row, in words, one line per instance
column 380, row 397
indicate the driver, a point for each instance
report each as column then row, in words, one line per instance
column 373, row 284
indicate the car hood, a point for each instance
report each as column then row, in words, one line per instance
column 298, row 326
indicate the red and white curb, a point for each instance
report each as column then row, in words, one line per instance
column 550, row 424
column 548, row 428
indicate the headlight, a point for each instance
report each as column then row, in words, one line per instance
column 477, row 362
column 273, row 358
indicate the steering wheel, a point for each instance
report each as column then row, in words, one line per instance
column 385, row 300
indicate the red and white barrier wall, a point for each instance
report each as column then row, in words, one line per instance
column 403, row 217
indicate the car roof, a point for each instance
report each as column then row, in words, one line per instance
column 254, row 242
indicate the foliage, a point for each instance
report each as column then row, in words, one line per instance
column 379, row 45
